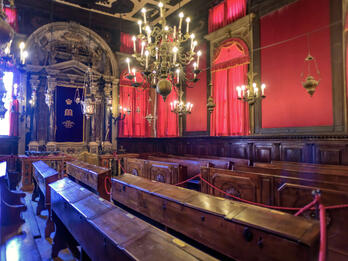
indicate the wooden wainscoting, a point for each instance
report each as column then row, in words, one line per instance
column 311, row 149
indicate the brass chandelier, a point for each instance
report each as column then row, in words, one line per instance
column 165, row 53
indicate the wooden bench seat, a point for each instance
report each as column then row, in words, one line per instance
column 90, row 175
column 234, row 229
column 44, row 175
column 11, row 207
column 106, row 232
column 265, row 186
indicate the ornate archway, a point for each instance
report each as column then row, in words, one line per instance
column 60, row 54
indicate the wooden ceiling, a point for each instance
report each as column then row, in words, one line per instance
column 126, row 9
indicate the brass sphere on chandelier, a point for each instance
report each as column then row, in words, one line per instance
column 164, row 87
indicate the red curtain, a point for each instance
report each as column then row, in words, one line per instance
column 230, row 67
column 12, row 17
column 235, row 10
column 137, row 100
column 225, row 13
column 127, row 45
column 230, row 116
column 167, row 122
column 216, row 17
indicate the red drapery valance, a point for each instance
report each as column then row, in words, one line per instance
column 225, row 13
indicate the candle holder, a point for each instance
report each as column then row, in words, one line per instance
column 252, row 92
column 136, row 84
column 130, row 77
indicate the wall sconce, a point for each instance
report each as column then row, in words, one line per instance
column 121, row 114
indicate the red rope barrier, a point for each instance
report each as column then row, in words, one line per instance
column 247, row 201
column 323, row 236
column 337, row 206
column 108, row 191
column 308, row 206
column 183, row 182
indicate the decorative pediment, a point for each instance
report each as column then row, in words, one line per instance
column 62, row 46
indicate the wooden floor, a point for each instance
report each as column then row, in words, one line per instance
column 29, row 244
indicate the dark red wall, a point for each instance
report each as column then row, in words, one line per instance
column 287, row 103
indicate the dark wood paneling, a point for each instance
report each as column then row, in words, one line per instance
column 8, row 145
column 311, row 149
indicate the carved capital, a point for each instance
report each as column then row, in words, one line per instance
column 34, row 82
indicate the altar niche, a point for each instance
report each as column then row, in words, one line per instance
column 62, row 53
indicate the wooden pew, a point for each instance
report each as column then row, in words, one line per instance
column 193, row 165
column 135, row 166
column 234, row 229
column 233, row 161
column 11, row 208
column 167, row 172
column 287, row 191
column 303, row 165
column 330, row 176
column 43, row 176
column 106, row 232
column 90, row 175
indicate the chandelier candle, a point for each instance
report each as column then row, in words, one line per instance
column 188, row 20
column 161, row 8
column 181, row 16
column 140, row 24
column 147, row 59
column 134, row 45
column 144, row 14
column 128, row 63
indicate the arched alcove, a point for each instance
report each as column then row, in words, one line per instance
column 60, row 54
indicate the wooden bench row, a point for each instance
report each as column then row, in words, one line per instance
column 236, row 230
column 106, row 232
column 287, row 188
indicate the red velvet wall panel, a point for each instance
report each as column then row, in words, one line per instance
column 284, row 48
column 197, row 120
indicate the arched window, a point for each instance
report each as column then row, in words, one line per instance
column 229, row 69
column 136, row 101
column 8, row 84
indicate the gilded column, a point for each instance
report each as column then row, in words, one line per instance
column 50, row 101
column 107, row 146
column 23, row 124
column 115, row 102
column 34, row 83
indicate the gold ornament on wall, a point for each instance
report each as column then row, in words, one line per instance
column 308, row 80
